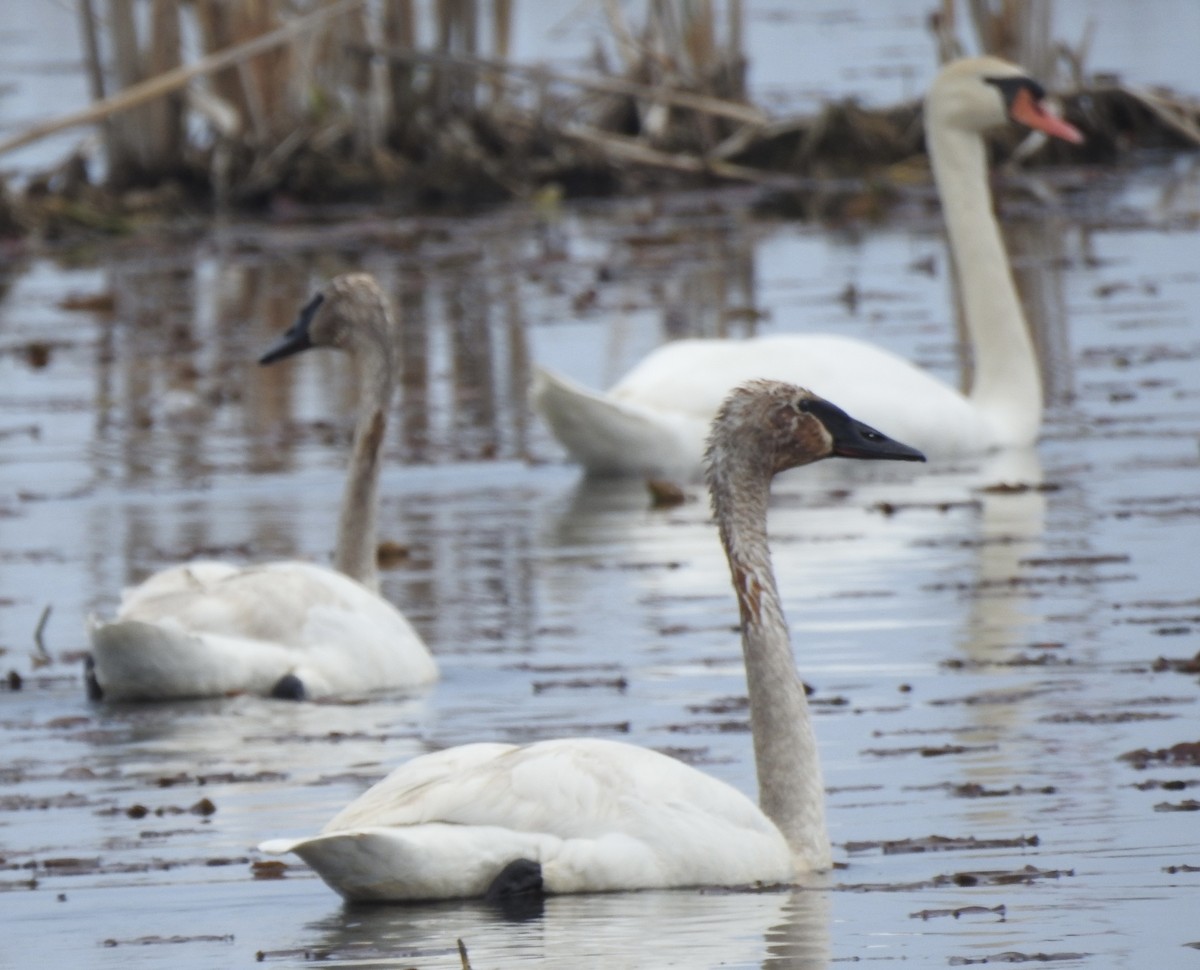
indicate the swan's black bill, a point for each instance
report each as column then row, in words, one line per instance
column 297, row 337
column 853, row 439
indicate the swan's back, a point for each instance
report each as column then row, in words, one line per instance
column 572, row 787
column 278, row 601
column 596, row 814
column 879, row 387
column 210, row 628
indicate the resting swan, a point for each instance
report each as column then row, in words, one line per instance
column 287, row 629
column 653, row 421
column 589, row 815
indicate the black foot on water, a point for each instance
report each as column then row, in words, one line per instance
column 289, row 687
column 517, row 890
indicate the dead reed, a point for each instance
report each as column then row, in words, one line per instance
column 320, row 97
column 418, row 101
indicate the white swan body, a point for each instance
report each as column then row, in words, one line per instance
column 654, row 420
column 588, row 815
column 210, row 629
column 598, row 815
column 289, row 629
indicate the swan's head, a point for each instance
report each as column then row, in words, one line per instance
column 780, row 426
column 349, row 310
column 977, row 93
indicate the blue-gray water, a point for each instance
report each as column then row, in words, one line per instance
column 982, row 657
column 963, row 641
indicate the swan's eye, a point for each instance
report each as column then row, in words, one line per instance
column 801, row 407
column 1010, row 87
column 872, row 435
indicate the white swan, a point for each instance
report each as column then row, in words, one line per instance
column 585, row 815
column 653, row 421
column 287, row 629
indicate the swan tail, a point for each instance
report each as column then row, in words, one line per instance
column 135, row 660
column 419, row 862
column 608, row 436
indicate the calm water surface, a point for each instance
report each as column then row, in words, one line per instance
column 982, row 656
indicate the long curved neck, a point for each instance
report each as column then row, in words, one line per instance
column 791, row 789
column 356, row 553
column 1007, row 384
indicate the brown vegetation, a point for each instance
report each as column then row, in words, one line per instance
column 339, row 100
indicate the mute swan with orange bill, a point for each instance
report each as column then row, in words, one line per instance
column 653, row 421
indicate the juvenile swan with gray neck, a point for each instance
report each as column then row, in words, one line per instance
column 289, row 629
column 590, row 815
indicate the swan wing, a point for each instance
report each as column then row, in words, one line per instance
column 597, row 815
column 608, row 435
column 185, row 578
column 208, row 628
column 877, row 386
column 655, row 419
column 421, row 862
column 134, row 660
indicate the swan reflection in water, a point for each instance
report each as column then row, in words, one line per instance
column 771, row 930
column 854, row 547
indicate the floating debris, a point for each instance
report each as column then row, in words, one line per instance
column 1183, row 754
column 268, row 869
column 618, row 684
column 942, row 843
column 1176, row 784
column 665, row 494
column 1104, row 717
column 1020, row 488
column 157, row 940
column 1185, row 665
column 958, row 912
column 976, row 790
column 1011, row 956
column 1188, row 805
column 389, row 554
column 930, row 751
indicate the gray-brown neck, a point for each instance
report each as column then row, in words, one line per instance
column 356, row 553
column 1007, row 384
column 791, row 788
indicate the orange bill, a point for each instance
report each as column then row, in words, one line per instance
column 1031, row 112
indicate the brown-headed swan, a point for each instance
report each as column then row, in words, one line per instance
column 288, row 629
column 653, row 421
column 588, row 815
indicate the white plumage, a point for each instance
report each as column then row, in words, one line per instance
column 210, row 629
column 295, row 629
column 653, row 421
column 598, row 815
column 586, row 815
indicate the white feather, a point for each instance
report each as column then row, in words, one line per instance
column 597, row 815
column 209, row 629
column 654, row 420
